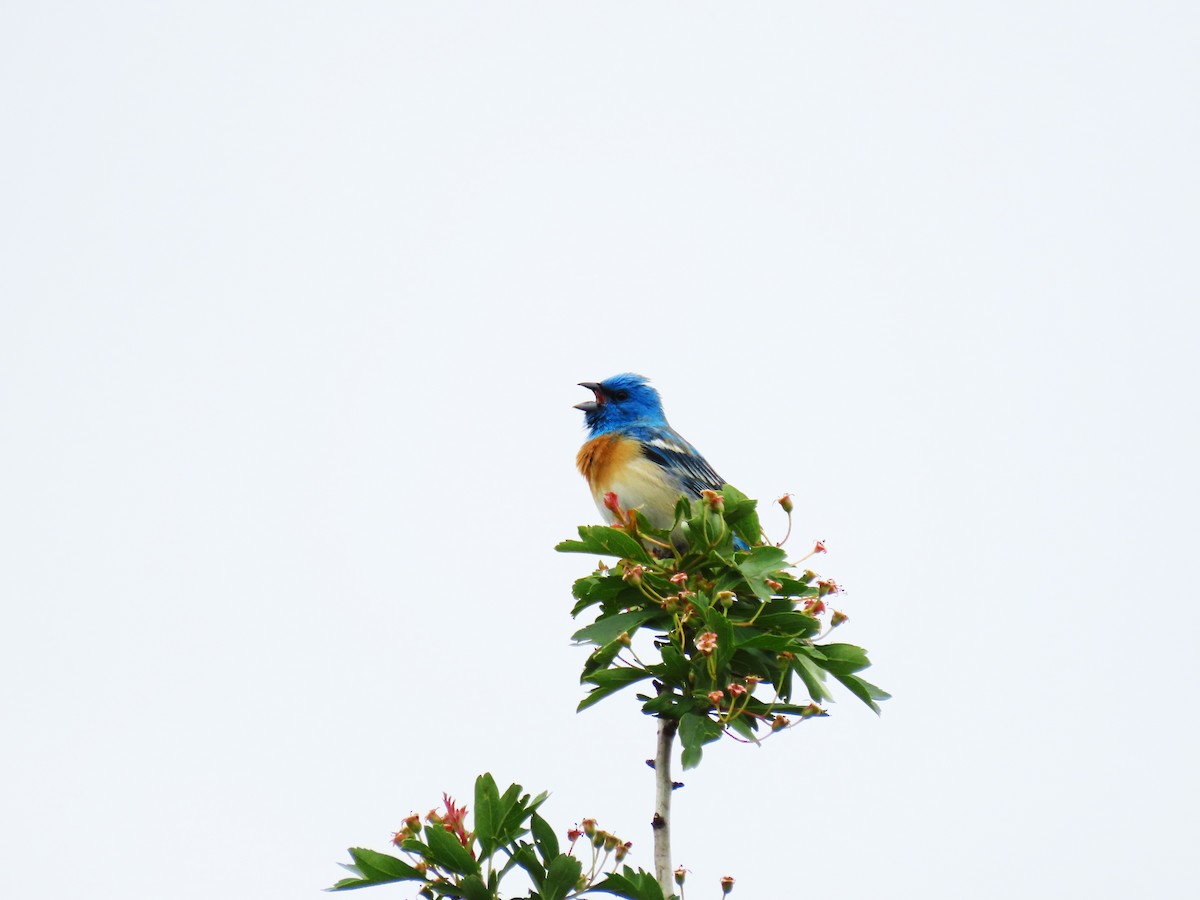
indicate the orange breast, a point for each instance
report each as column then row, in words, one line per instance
column 601, row 458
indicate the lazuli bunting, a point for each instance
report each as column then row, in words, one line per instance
column 632, row 452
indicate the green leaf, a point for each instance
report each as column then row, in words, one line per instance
column 761, row 561
column 842, row 659
column 812, row 677
column 783, row 682
column 863, row 690
column 794, row 587
column 561, row 876
column 875, row 693
column 674, row 669
column 610, row 591
column 601, row 658
column 377, row 868
column 683, row 509
column 446, row 851
column 527, row 860
column 666, row 705
column 695, row 731
column 608, row 628
column 741, row 514
column 384, row 866
column 544, row 837
column 473, row 888
column 757, row 564
column 604, row 540
column 609, row 681
column 789, row 621
column 487, row 801
column 645, row 527
column 514, row 810
column 531, row 805
column 639, row 885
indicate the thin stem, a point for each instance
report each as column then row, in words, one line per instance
column 649, row 594
column 662, row 806
column 650, row 540
column 789, row 532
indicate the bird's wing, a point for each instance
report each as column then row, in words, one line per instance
column 680, row 460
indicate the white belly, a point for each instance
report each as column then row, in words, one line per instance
column 642, row 485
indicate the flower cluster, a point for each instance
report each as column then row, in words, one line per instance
column 453, row 820
column 604, row 845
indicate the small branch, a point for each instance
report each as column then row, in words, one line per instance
column 663, row 869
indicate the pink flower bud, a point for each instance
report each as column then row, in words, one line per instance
column 715, row 697
column 713, row 499
column 613, row 505
column 679, row 578
column 634, row 573
column 786, row 502
column 819, row 547
column 837, row 618
column 736, row 690
column 707, row 642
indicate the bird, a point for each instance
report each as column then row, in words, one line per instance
column 633, row 453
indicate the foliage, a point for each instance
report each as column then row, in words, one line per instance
column 728, row 634
column 450, row 860
column 733, row 625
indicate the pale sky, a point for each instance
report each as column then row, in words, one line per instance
column 294, row 298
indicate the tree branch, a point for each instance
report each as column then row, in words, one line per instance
column 663, row 868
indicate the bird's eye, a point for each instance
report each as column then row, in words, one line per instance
column 620, row 396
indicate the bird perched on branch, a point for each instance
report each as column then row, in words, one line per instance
column 632, row 452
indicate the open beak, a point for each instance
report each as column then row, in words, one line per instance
column 591, row 405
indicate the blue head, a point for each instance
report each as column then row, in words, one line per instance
column 620, row 401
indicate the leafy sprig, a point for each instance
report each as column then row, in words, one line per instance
column 733, row 625
column 450, row 860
